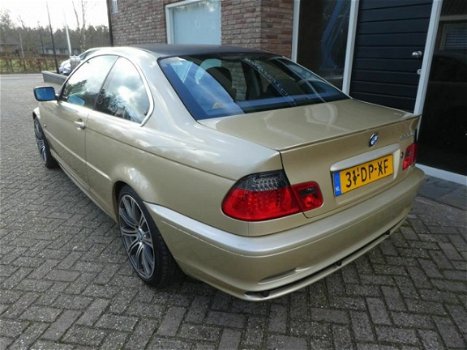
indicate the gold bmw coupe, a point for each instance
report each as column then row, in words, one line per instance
column 240, row 167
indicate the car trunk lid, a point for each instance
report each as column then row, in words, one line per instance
column 330, row 144
column 287, row 128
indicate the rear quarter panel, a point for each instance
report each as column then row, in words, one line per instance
column 188, row 170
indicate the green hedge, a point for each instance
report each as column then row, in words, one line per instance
column 30, row 64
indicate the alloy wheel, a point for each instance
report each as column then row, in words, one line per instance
column 136, row 236
column 40, row 141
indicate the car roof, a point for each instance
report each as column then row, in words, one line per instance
column 166, row 50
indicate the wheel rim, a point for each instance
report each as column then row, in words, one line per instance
column 136, row 236
column 40, row 140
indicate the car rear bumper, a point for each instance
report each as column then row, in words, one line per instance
column 260, row 268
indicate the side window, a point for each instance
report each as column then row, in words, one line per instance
column 124, row 94
column 83, row 86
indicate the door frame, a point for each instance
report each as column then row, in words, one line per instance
column 350, row 48
column 428, row 57
column 427, row 53
column 424, row 71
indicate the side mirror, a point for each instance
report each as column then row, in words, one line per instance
column 45, row 93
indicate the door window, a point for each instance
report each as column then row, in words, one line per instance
column 83, row 86
column 124, row 93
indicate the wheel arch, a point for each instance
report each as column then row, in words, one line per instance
column 142, row 187
column 115, row 193
column 36, row 113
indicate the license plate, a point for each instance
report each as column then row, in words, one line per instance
column 351, row 178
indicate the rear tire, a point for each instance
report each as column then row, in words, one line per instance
column 43, row 146
column 145, row 247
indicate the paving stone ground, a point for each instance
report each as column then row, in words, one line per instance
column 65, row 282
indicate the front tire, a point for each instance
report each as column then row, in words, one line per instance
column 145, row 247
column 43, row 146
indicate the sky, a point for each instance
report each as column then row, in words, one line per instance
column 34, row 11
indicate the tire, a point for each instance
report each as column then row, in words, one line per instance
column 43, row 146
column 143, row 243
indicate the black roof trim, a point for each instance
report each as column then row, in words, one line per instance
column 181, row 50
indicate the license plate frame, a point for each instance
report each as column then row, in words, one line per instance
column 360, row 175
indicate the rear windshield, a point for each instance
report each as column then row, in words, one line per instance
column 214, row 86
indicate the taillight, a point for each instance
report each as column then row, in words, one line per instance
column 410, row 156
column 309, row 195
column 269, row 195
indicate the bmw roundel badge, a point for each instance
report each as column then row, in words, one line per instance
column 373, row 139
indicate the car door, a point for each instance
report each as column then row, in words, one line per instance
column 66, row 120
column 123, row 104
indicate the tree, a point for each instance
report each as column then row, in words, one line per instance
column 25, row 41
column 80, row 12
column 6, row 25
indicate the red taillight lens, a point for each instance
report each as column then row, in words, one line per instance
column 260, row 197
column 410, row 156
column 268, row 196
column 309, row 195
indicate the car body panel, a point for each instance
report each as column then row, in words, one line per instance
column 310, row 149
column 159, row 170
column 183, row 169
column 241, row 265
column 286, row 128
column 338, row 154
column 66, row 139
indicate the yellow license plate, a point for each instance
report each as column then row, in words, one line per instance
column 351, row 178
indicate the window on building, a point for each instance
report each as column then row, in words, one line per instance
column 194, row 22
column 322, row 37
column 454, row 36
column 114, row 6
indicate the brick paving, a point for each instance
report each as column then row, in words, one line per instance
column 65, row 282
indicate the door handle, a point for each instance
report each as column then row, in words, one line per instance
column 417, row 54
column 79, row 124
